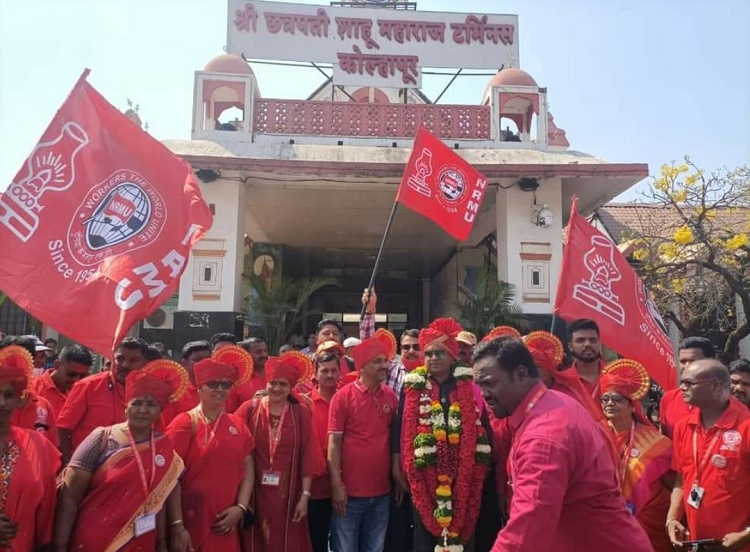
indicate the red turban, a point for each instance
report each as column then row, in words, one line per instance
column 501, row 331
column 546, row 350
column 143, row 384
column 443, row 333
column 628, row 378
column 16, row 365
column 210, row 369
column 368, row 350
column 292, row 366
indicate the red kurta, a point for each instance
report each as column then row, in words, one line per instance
column 45, row 387
column 214, row 457
column 31, row 488
column 297, row 456
column 245, row 392
column 566, row 496
column 116, row 496
column 37, row 415
column 95, row 401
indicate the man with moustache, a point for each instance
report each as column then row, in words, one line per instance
column 73, row 364
column 585, row 346
column 565, row 492
column 712, row 460
column 99, row 400
column 320, row 507
column 192, row 353
column 739, row 373
column 258, row 349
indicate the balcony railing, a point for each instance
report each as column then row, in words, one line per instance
column 361, row 120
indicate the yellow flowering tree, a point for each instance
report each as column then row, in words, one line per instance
column 693, row 249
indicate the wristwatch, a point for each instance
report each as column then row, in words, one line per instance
column 308, row 494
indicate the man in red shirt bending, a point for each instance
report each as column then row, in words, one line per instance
column 712, row 460
column 99, row 400
column 673, row 407
column 359, row 452
column 565, row 492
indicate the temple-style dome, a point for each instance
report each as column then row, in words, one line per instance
column 512, row 77
column 228, row 63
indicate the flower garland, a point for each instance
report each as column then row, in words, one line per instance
column 444, row 495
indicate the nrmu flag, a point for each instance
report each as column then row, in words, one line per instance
column 96, row 227
column 597, row 282
column 438, row 184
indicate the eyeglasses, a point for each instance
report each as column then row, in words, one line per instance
column 437, row 353
column 615, row 399
column 415, row 347
column 215, row 385
column 692, row 383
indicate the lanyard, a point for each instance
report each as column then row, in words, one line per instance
column 532, row 403
column 209, row 437
column 275, row 437
column 141, row 469
column 700, row 467
column 625, row 452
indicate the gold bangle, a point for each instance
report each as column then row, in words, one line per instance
column 177, row 522
column 242, row 507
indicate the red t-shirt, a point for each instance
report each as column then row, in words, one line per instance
column 45, row 387
column 725, row 507
column 95, row 401
column 245, row 392
column 672, row 409
column 321, row 485
column 37, row 415
column 364, row 419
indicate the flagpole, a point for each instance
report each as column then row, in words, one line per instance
column 380, row 254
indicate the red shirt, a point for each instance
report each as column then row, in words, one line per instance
column 188, row 401
column 566, row 496
column 725, row 507
column 672, row 409
column 245, row 392
column 45, row 387
column 95, row 401
column 592, row 388
column 37, row 415
column 363, row 418
column 321, row 486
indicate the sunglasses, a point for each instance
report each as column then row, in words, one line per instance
column 438, row 353
column 692, row 383
column 411, row 348
column 223, row 385
column 616, row 399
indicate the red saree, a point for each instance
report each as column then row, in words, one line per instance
column 31, row 492
column 116, row 495
column 642, row 466
column 214, row 456
column 298, row 455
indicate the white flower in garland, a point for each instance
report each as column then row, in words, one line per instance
column 463, row 372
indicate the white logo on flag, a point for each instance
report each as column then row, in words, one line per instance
column 424, row 168
column 596, row 292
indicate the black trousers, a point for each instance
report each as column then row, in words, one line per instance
column 319, row 514
column 400, row 534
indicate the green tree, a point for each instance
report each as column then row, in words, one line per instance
column 693, row 249
column 491, row 304
column 277, row 309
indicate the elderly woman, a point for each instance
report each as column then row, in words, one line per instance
column 120, row 476
column 287, row 457
column 29, row 463
column 645, row 455
column 217, row 449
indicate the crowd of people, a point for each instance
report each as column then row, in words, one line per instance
column 440, row 442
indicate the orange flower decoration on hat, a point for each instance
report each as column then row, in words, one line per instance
column 292, row 366
column 545, row 348
column 627, row 377
column 236, row 356
column 443, row 333
column 388, row 338
column 332, row 346
column 502, row 331
column 163, row 379
column 16, row 367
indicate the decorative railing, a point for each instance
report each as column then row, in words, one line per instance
column 363, row 120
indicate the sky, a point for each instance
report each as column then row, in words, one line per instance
column 644, row 81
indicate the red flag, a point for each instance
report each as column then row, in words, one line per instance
column 597, row 282
column 441, row 186
column 96, row 228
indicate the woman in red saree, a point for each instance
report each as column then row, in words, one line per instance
column 217, row 448
column 645, row 455
column 287, row 457
column 119, row 478
column 29, row 463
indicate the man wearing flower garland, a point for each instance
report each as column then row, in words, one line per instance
column 565, row 492
column 443, row 444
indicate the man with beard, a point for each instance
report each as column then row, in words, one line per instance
column 584, row 345
column 565, row 492
column 73, row 365
column 99, row 400
column 192, row 352
column 258, row 349
column 739, row 374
